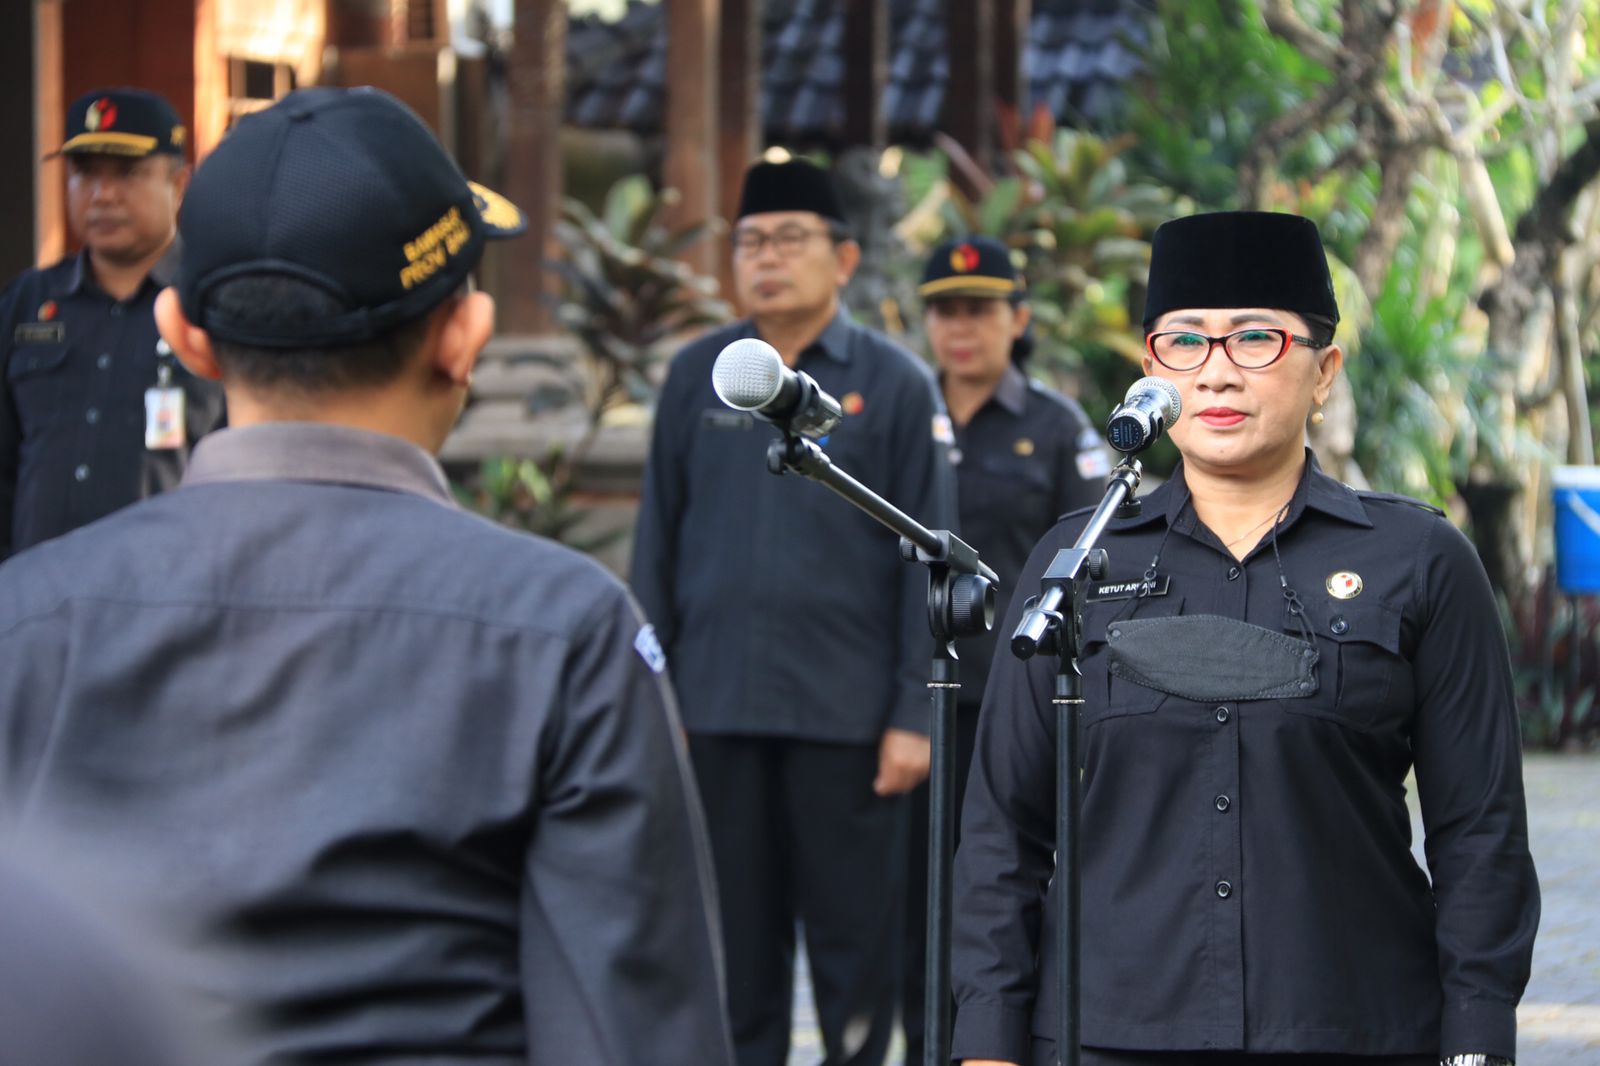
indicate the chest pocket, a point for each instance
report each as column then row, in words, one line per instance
column 1016, row 486
column 1107, row 696
column 36, row 375
column 1365, row 676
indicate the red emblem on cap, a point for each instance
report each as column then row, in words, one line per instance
column 102, row 115
column 47, row 311
column 964, row 260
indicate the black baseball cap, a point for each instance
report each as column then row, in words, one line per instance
column 970, row 266
column 125, row 122
column 347, row 190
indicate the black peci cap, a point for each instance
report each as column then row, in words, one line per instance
column 970, row 266
column 125, row 122
column 1239, row 259
column 796, row 185
column 347, row 190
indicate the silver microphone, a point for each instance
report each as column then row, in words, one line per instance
column 1150, row 406
column 749, row 375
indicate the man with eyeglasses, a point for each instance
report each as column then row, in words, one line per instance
column 798, row 639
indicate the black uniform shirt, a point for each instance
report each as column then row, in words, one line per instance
column 400, row 784
column 1248, row 882
column 74, row 367
column 786, row 611
column 1026, row 458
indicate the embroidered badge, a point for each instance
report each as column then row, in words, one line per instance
column 1344, row 585
column 852, row 404
column 1023, row 446
column 47, row 310
column 649, row 649
column 964, row 259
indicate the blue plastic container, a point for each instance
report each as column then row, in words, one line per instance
column 1577, row 498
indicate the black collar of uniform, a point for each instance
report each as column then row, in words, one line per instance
column 160, row 275
column 833, row 341
column 1012, row 391
column 317, row 452
column 1167, row 502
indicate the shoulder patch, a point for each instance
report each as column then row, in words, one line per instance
column 1395, row 497
column 649, row 649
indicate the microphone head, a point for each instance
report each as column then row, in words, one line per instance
column 1168, row 390
column 747, row 374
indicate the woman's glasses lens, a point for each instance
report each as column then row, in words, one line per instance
column 1250, row 349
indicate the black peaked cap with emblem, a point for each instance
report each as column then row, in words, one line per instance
column 794, row 185
column 125, row 122
column 345, row 189
column 1239, row 259
column 970, row 266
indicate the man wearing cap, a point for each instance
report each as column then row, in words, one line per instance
column 799, row 639
column 394, row 783
column 95, row 412
column 1024, row 456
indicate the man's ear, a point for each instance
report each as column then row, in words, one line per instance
column 1327, row 370
column 848, row 254
column 188, row 342
column 466, row 326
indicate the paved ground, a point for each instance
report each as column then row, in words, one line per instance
column 1560, row 1015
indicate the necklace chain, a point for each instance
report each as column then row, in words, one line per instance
column 1275, row 514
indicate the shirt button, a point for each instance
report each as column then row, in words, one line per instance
column 1222, row 714
column 1224, row 890
column 1339, row 625
column 92, row 415
column 82, row 472
column 1222, row 803
column 116, row 310
column 1233, row 573
column 104, row 362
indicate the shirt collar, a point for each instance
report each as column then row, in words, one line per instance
column 833, row 341
column 164, row 273
column 317, row 452
column 1316, row 491
column 1012, row 391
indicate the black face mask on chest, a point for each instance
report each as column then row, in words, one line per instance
column 1208, row 657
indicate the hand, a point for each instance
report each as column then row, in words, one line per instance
column 903, row 758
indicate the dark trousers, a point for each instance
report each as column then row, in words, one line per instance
column 798, row 834
column 912, row 1014
column 1044, row 1054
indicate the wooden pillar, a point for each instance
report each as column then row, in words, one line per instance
column 50, row 190
column 691, row 164
column 19, row 111
column 211, row 95
column 738, row 117
column 536, row 83
column 1011, row 21
column 969, row 93
column 866, row 72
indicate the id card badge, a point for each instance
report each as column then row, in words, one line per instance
column 163, row 418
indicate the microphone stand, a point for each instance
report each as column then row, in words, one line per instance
column 1054, row 624
column 960, row 604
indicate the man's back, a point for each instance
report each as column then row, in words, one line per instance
column 403, row 784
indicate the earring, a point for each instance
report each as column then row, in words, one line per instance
column 1316, row 417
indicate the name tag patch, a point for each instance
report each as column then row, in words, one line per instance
column 723, row 418
column 1127, row 590
column 40, row 333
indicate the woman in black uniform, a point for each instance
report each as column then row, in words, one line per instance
column 1293, row 650
column 1025, row 455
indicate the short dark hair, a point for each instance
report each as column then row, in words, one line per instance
column 269, row 301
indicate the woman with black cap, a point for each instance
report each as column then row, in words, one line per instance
column 1292, row 651
column 1024, row 456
